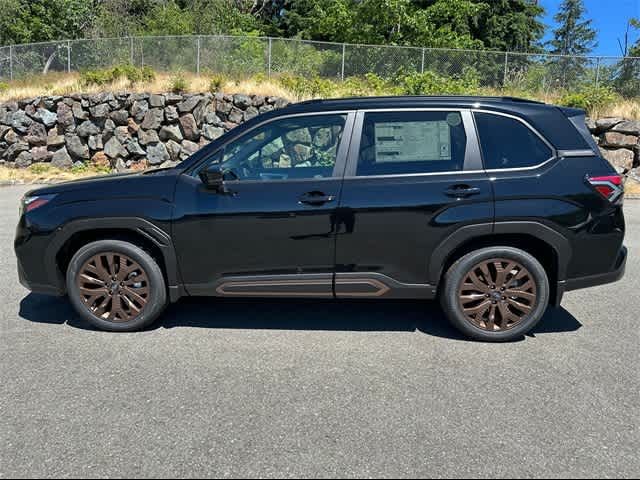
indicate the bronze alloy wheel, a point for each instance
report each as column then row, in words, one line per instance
column 497, row 294
column 113, row 287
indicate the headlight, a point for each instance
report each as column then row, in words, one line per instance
column 31, row 203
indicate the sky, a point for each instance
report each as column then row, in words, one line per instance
column 609, row 19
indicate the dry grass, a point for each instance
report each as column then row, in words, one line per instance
column 632, row 188
column 625, row 109
column 41, row 173
column 66, row 84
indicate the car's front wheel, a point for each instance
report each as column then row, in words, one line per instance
column 116, row 285
column 495, row 293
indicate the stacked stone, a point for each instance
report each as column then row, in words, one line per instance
column 619, row 142
column 123, row 131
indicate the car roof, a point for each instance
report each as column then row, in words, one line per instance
column 412, row 101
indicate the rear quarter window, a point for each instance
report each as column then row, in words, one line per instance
column 509, row 143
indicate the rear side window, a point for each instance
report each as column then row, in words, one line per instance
column 411, row 142
column 508, row 143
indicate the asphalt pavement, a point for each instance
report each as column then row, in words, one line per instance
column 282, row 388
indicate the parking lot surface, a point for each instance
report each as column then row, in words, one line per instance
column 307, row 388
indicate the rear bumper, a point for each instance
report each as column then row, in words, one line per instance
column 593, row 280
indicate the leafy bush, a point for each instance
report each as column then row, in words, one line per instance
column 430, row 83
column 312, row 87
column 376, row 84
column 306, row 60
column 4, row 87
column 413, row 83
column 217, row 82
column 139, row 75
column 178, row 83
column 40, row 168
column 370, row 84
column 96, row 77
column 529, row 78
column 591, row 99
column 131, row 73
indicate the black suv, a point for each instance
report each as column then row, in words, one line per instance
column 496, row 206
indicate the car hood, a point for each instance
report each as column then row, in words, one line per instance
column 148, row 183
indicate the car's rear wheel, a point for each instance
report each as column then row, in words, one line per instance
column 495, row 293
column 116, row 285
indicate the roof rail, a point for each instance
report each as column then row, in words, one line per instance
column 426, row 97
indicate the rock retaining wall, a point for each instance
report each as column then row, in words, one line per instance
column 619, row 142
column 120, row 130
column 127, row 131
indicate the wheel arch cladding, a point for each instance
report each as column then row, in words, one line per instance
column 548, row 246
column 134, row 230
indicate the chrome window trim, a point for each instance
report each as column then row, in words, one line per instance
column 426, row 174
column 472, row 146
column 587, row 152
column 554, row 152
column 521, row 169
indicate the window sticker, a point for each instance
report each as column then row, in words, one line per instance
column 412, row 141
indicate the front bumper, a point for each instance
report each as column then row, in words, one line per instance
column 593, row 280
column 37, row 271
column 45, row 289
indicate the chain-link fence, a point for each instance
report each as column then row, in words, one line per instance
column 245, row 56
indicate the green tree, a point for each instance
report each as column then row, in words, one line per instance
column 627, row 72
column 574, row 36
column 511, row 25
column 216, row 17
column 25, row 21
column 168, row 18
column 397, row 22
column 176, row 17
column 121, row 18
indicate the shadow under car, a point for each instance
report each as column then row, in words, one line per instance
column 292, row 314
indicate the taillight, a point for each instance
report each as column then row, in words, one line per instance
column 609, row 186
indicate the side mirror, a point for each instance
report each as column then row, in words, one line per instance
column 213, row 177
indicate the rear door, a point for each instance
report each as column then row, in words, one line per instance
column 413, row 178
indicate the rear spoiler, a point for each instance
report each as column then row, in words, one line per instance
column 573, row 112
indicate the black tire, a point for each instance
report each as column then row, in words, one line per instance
column 450, row 296
column 156, row 295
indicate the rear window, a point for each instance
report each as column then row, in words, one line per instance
column 508, row 143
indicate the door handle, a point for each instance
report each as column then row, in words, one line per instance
column 316, row 198
column 461, row 191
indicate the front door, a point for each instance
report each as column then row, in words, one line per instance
column 413, row 178
column 271, row 231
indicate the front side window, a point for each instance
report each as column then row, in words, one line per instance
column 290, row 148
column 411, row 142
column 509, row 143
